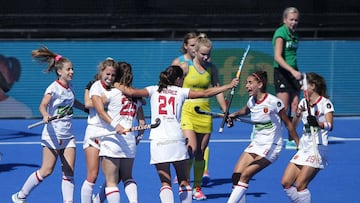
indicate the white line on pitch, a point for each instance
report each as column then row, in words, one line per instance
column 331, row 138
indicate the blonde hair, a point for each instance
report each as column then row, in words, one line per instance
column 202, row 40
column 290, row 10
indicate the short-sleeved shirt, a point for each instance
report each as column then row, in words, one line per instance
column 290, row 46
column 319, row 109
column 266, row 112
column 61, row 97
column 167, row 106
column 98, row 89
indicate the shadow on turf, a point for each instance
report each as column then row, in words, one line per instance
column 7, row 134
column 220, row 181
column 226, row 195
column 13, row 166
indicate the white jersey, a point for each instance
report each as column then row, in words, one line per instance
column 166, row 105
column 319, row 109
column 123, row 110
column 98, row 89
column 61, row 97
column 266, row 112
column 308, row 154
column 95, row 124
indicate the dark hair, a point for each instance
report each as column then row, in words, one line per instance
column 261, row 76
column 55, row 61
column 13, row 67
column 319, row 81
column 169, row 76
column 124, row 74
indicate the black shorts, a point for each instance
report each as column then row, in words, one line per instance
column 284, row 81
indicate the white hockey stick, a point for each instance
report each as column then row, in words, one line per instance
column 232, row 92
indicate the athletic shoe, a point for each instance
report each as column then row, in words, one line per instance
column 205, row 179
column 290, row 144
column 198, row 194
column 16, row 199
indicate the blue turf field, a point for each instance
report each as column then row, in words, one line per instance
column 339, row 182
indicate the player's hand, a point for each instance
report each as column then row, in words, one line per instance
column 297, row 75
column 234, row 82
column 139, row 138
column 312, row 121
column 230, row 120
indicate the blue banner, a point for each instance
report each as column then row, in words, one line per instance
column 23, row 81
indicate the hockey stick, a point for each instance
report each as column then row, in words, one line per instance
column 232, row 92
column 135, row 128
column 63, row 112
column 312, row 130
column 222, row 115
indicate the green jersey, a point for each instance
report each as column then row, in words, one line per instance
column 291, row 43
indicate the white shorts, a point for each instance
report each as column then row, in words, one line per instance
column 308, row 157
column 163, row 151
column 92, row 130
column 59, row 143
column 118, row 146
column 270, row 151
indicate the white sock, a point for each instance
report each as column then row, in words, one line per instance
column 32, row 181
column 292, row 193
column 304, row 196
column 67, row 188
column 131, row 190
column 87, row 191
column 166, row 194
column 185, row 194
column 112, row 194
column 243, row 199
column 238, row 192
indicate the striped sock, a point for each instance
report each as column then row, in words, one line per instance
column 238, row 192
column 67, row 188
column 87, row 191
column 33, row 180
column 131, row 190
column 112, row 194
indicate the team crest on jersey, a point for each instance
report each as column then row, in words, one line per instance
column 278, row 104
column 328, row 105
column 266, row 109
column 317, row 113
column 296, row 157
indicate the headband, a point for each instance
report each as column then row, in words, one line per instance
column 257, row 77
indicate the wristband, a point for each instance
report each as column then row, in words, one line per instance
column 114, row 123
